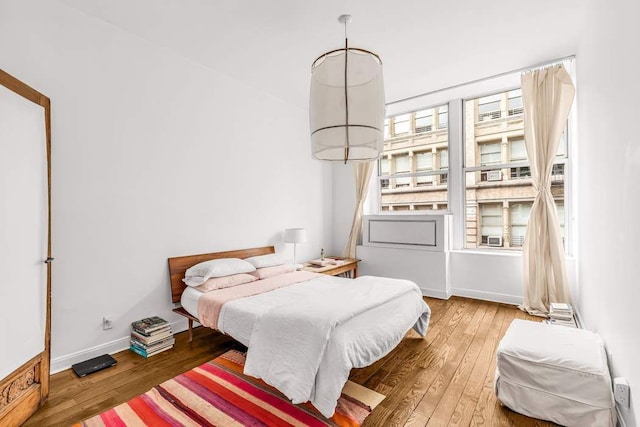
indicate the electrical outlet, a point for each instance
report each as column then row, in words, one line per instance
column 107, row 322
column 621, row 391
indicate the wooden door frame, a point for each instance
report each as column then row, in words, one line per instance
column 30, row 382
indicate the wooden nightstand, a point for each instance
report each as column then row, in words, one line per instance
column 348, row 266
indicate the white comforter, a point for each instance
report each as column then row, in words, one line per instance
column 313, row 333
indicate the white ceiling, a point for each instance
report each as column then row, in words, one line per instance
column 424, row 44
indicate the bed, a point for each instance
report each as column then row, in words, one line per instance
column 304, row 336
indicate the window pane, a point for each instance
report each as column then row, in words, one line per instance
column 429, row 146
column 402, row 164
column 490, row 153
column 515, row 102
column 424, row 121
column 519, row 218
column 443, row 117
column 444, row 159
column 491, row 223
column 489, row 108
column 520, row 172
column 488, row 202
column 518, row 150
column 385, row 166
column 424, row 161
column 402, row 124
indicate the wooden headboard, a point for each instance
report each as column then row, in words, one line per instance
column 178, row 265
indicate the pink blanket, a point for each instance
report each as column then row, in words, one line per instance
column 210, row 304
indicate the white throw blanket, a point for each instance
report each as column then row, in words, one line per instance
column 298, row 347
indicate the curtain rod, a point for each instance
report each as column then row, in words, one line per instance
column 519, row 70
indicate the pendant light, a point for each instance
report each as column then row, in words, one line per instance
column 346, row 107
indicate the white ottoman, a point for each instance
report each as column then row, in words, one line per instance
column 555, row 373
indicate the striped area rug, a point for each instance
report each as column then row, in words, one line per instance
column 217, row 393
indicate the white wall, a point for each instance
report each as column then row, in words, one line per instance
column 609, row 195
column 344, row 201
column 154, row 156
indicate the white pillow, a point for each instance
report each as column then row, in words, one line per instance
column 200, row 273
column 269, row 260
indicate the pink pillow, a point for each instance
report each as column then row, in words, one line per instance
column 276, row 270
column 225, row 282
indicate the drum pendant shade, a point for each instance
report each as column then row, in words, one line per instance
column 346, row 108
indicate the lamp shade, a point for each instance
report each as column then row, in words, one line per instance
column 346, row 107
column 295, row 235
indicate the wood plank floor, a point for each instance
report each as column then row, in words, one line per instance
column 441, row 380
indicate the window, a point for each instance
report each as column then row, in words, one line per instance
column 491, row 224
column 443, row 156
column 385, row 169
column 490, row 153
column 413, row 170
column 498, row 174
column 424, row 121
column 403, row 166
column 443, row 117
column 518, row 153
column 517, row 150
column 519, row 213
column 515, row 102
column 402, row 124
column 489, row 108
column 491, row 189
column 424, row 162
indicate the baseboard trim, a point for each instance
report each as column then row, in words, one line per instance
column 61, row 363
column 576, row 315
column 435, row 293
column 487, row 296
column 621, row 420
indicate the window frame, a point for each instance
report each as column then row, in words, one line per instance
column 437, row 183
column 565, row 161
column 454, row 97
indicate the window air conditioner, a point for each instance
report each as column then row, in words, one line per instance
column 494, row 240
column 494, row 176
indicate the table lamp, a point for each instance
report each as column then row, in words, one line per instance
column 295, row 236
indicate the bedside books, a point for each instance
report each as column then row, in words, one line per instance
column 560, row 311
column 325, row 262
column 561, row 314
column 151, row 336
column 569, row 323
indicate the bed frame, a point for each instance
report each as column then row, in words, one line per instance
column 179, row 265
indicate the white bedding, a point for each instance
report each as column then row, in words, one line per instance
column 356, row 341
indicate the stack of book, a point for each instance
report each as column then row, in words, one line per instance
column 151, row 336
column 325, row 262
column 561, row 314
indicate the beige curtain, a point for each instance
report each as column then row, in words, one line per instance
column 362, row 172
column 547, row 96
